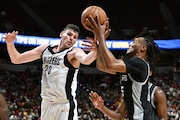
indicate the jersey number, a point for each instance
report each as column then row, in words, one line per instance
column 48, row 69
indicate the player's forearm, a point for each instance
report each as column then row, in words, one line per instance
column 100, row 63
column 111, row 114
column 106, row 54
column 91, row 56
column 13, row 53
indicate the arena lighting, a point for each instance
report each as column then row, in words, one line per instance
column 112, row 44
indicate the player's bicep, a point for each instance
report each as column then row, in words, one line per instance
column 32, row 55
column 117, row 66
column 101, row 66
column 80, row 55
column 161, row 103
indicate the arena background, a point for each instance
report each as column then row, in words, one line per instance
column 45, row 18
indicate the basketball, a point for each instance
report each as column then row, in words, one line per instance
column 94, row 11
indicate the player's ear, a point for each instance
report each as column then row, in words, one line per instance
column 144, row 47
column 150, row 73
column 60, row 34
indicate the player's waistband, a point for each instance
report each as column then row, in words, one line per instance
column 50, row 100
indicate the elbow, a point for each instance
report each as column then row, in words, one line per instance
column 108, row 66
column 15, row 61
column 118, row 66
column 88, row 63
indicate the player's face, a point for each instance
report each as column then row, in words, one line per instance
column 69, row 37
column 135, row 46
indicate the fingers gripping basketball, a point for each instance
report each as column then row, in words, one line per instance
column 94, row 11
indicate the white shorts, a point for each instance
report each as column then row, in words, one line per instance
column 58, row 111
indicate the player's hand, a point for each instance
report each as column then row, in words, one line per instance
column 10, row 37
column 98, row 29
column 107, row 30
column 97, row 100
column 89, row 44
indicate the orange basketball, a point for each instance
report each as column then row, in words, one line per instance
column 94, row 11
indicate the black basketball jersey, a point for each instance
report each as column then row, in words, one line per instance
column 136, row 92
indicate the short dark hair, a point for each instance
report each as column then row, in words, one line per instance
column 73, row 27
column 153, row 50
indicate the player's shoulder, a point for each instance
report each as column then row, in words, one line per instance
column 41, row 48
column 159, row 89
column 44, row 45
column 136, row 59
column 139, row 62
column 159, row 93
column 77, row 49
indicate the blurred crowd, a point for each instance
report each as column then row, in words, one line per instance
column 22, row 89
column 22, row 92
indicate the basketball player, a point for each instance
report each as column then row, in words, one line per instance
column 3, row 108
column 134, row 67
column 60, row 68
column 157, row 97
column 157, row 100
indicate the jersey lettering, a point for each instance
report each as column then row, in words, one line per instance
column 51, row 60
column 124, row 78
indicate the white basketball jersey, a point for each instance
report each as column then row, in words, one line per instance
column 59, row 77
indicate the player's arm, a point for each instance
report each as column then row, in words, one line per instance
column 100, row 64
column 83, row 57
column 18, row 58
column 3, row 108
column 161, row 104
column 98, row 102
column 110, row 62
